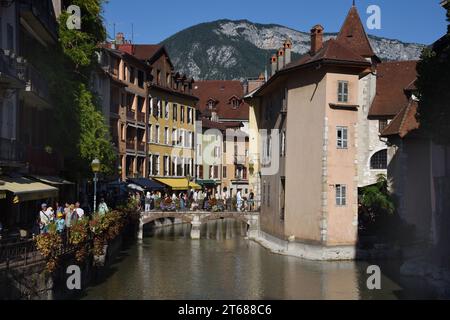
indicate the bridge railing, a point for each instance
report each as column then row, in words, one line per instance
column 214, row 205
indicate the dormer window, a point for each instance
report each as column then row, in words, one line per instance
column 235, row 103
column 211, row 104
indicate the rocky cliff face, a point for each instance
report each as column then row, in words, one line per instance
column 226, row 49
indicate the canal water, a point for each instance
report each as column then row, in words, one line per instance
column 224, row 265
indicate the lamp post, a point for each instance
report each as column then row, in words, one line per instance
column 95, row 165
column 119, row 170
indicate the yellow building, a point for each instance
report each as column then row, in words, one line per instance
column 159, row 131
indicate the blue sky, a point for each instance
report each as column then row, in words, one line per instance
column 421, row 21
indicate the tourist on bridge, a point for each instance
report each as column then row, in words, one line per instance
column 239, row 200
column 148, row 202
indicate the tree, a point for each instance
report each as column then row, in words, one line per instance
column 82, row 131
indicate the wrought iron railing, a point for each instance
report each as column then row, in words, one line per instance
column 11, row 150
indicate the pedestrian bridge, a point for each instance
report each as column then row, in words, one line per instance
column 197, row 218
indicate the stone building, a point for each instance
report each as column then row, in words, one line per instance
column 324, row 146
column 157, row 112
column 222, row 107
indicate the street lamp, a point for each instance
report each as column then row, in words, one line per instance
column 119, row 170
column 95, row 165
column 188, row 177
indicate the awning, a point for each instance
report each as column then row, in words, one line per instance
column 27, row 190
column 178, row 184
column 148, row 184
column 207, row 182
column 54, row 181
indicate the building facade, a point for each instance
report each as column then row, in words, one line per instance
column 222, row 108
column 156, row 123
column 312, row 142
column 28, row 29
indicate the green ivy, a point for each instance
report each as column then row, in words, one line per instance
column 81, row 132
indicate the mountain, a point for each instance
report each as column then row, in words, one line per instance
column 226, row 49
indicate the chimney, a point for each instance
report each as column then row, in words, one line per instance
column 120, row 38
column 316, row 39
column 274, row 64
column 280, row 58
column 287, row 51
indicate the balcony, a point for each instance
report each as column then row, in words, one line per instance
column 131, row 115
column 37, row 90
column 42, row 160
column 239, row 159
column 11, row 152
column 131, row 145
column 10, row 73
column 39, row 16
column 141, row 117
column 141, row 146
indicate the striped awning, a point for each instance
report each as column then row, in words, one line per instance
column 25, row 189
column 178, row 184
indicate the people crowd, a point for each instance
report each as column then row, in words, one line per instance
column 64, row 217
column 194, row 200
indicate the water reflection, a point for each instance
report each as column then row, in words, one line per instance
column 224, row 265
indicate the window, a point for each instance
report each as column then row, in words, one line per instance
column 150, row 133
column 182, row 114
column 382, row 124
column 157, row 165
column 342, row 137
column 140, row 78
column 132, row 75
column 150, row 164
column 235, row 103
column 141, row 104
column 343, row 91
column 166, row 135
column 341, row 195
column 224, row 172
column 175, row 112
column 379, row 160
column 174, row 137
column 168, row 79
column 156, row 134
column 166, row 166
column 159, row 108
column 189, row 114
column 216, row 172
column 158, row 76
column 130, row 102
column 210, row 104
column 166, row 110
